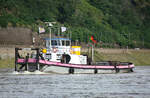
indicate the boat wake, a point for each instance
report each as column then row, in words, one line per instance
column 28, row 72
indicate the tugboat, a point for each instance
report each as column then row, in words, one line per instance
column 59, row 56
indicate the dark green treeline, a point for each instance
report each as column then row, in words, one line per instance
column 112, row 22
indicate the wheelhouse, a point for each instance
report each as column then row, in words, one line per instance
column 56, row 42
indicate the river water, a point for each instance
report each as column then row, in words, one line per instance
column 120, row 85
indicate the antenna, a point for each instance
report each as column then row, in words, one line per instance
column 50, row 24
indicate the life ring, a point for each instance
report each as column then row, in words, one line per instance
column 54, row 50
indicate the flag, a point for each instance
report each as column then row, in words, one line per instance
column 93, row 40
column 41, row 29
column 63, row 29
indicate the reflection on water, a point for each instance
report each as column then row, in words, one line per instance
column 124, row 85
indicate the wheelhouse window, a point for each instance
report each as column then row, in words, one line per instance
column 67, row 43
column 63, row 43
column 60, row 42
column 54, row 43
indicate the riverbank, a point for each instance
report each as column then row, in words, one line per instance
column 136, row 56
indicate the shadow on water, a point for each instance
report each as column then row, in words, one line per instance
column 124, row 85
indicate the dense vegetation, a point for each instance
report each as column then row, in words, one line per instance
column 111, row 22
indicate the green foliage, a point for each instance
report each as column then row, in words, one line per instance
column 106, row 20
column 81, row 34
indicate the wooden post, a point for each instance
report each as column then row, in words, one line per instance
column 26, row 62
column 37, row 59
column 16, row 57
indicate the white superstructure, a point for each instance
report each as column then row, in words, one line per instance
column 61, row 50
